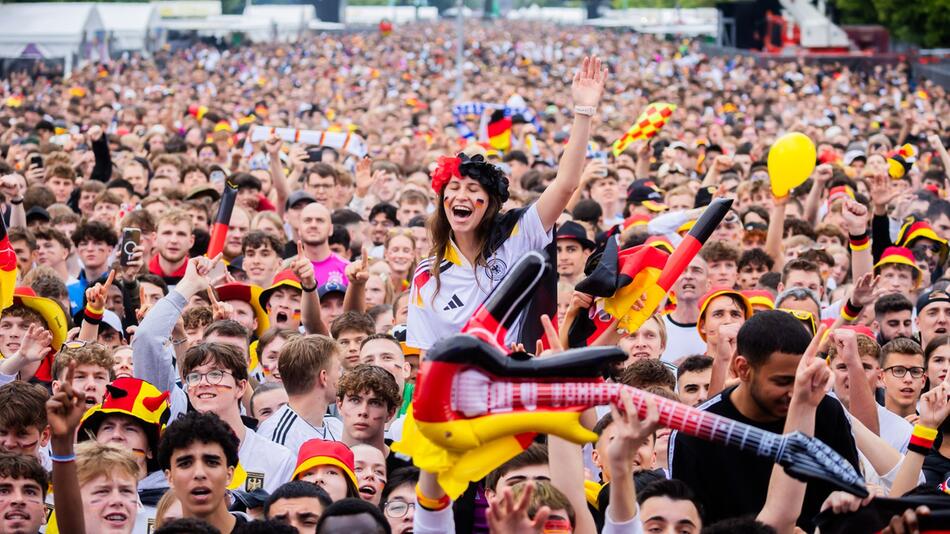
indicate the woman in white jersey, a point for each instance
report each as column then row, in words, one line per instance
column 473, row 243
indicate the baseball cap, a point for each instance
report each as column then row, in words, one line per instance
column 317, row 452
column 331, row 287
column 853, row 155
column 37, row 213
column 573, row 230
column 931, row 297
column 203, row 191
column 678, row 145
column 645, row 193
column 299, row 196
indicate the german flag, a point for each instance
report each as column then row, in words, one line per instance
column 7, row 268
column 219, row 232
column 623, row 277
column 499, row 131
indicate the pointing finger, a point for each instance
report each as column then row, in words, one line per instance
column 108, row 284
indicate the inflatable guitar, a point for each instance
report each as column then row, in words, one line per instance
column 475, row 406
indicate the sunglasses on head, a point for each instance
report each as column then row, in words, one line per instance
column 803, row 316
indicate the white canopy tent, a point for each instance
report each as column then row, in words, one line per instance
column 72, row 32
column 132, row 26
column 287, row 22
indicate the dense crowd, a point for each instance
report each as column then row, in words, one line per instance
column 151, row 386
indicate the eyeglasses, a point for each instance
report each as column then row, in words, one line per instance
column 397, row 509
column 899, row 371
column 214, row 377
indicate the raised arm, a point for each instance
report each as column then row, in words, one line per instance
column 862, row 405
column 358, row 274
column 621, row 513
column 941, row 150
column 277, row 176
column 95, row 306
column 856, row 224
column 102, row 168
column 586, row 90
column 776, row 232
column 310, row 312
column 64, row 411
column 822, row 174
column 934, row 408
column 783, row 504
column 152, row 346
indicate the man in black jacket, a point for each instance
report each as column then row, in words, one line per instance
column 731, row 483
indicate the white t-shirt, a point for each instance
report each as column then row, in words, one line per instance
column 682, row 340
column 895, row 430
column 464, row 288
column 267, row 464
column 286, row 427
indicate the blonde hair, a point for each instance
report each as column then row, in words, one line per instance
column 103, row 459
column 161, row 509
column 176, row 217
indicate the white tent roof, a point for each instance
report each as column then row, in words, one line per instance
column 56, row 29
column 128, row 17
column 294, row 16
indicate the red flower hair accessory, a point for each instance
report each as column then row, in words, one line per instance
column 446, row 169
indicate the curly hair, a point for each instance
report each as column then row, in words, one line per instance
column 192, row 427
column 93, row 354
column 373, row 379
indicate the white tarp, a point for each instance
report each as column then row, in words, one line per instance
column 52, row 31
column 131, row 26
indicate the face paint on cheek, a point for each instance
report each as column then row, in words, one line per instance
column 479, row 202
column 557, row 526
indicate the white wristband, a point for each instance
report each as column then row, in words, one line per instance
column 585, row 110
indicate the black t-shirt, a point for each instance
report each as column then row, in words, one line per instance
column 936, row 468
column 393, row 461
column 732, row 483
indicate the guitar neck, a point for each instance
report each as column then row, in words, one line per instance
column 481, row 397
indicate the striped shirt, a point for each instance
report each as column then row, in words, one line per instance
column 286, row 427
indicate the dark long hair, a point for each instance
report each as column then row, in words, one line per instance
column 441, row 232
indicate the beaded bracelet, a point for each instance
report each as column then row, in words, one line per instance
column 433, row 505
column 922, row 439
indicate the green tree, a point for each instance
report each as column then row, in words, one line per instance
column 922, row 22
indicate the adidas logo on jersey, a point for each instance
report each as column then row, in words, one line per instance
column 454, row 303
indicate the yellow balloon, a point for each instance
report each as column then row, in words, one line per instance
column 791, row 160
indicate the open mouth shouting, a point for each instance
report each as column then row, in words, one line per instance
column 200, row 495
column 116, row 519
column 462, row 213
column 367, row 492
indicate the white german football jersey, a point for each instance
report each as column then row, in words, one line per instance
column 462, row 287
column 286, row 427
column 266, row 464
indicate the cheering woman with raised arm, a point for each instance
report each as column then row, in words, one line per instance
column 473, row 243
